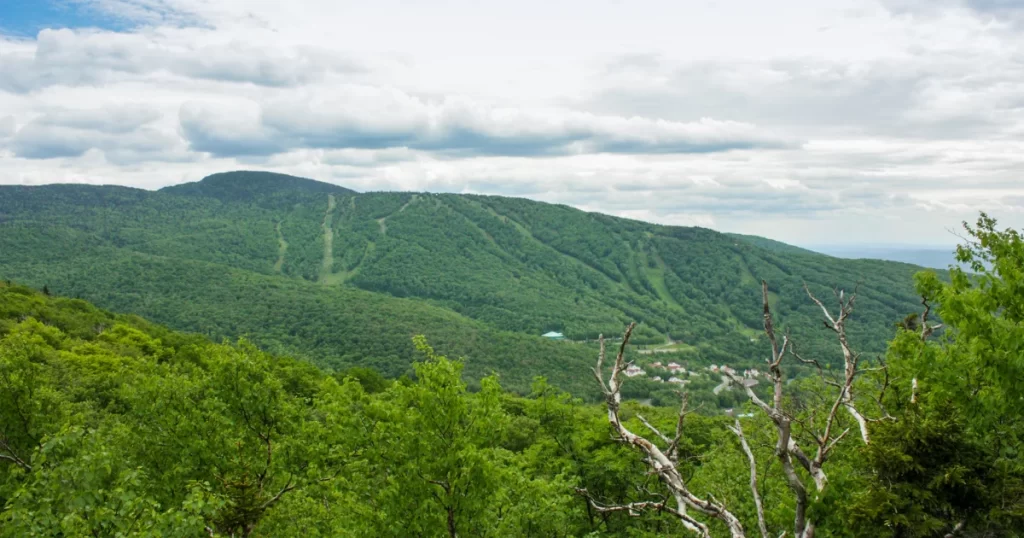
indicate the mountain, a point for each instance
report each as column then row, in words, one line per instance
column 777, row 247
column 343, row 278
column 255, row 187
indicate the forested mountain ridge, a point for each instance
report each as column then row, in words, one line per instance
column 111, row 425
column 298, row 264
column 256, row 187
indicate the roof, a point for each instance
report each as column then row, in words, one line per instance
column 553, row 334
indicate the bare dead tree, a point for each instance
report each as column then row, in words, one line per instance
column 825, row 431
column 787, row 448
column 837, row 324
column 664, row 463
column 737, row 429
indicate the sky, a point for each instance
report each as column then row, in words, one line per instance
column 808, row 121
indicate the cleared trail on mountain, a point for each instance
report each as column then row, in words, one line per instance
column 383, row 220
column 525, row 230
column 328, row 263
column 282, row 247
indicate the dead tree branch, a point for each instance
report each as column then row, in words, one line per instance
column 837, row 324
column 787, row 447
column 10, row 455
column 635, row 509
column 738, row 430
column 927, row 330
column 820, row 430
column 663, row 463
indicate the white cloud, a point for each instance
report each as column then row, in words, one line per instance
column 7, row 127
column 124, row 134
column 94, row 57
column 363, row 117
column 889, row 120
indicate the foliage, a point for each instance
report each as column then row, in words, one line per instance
column 952, row 456
column 345, row 279
column 113, row 426
column 328, row 413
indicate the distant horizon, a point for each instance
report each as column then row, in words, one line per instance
column 883, row 246
column 930, row 256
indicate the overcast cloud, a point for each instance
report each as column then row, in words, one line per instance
column 808, row 121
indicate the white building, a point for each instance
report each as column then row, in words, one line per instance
column 633, row 370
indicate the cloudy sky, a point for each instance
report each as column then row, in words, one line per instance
column 808, row 121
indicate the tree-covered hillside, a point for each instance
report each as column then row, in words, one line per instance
column 113, row 426
column 316, row 270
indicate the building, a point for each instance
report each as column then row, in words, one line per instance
column 633, row 370
column 554, row 335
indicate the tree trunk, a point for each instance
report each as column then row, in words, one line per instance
column 451, row 522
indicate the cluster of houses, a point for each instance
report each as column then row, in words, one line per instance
column 750, row 373
column 672, row 367
column 677, row 372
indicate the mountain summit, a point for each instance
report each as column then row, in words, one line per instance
column 246, row 186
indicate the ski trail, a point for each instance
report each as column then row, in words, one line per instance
column 328, row 263
column 382, row 221
column 282, row 247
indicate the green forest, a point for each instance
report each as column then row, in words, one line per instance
column 344, row 279
column 111, row 425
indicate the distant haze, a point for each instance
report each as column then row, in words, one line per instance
column 925, row 256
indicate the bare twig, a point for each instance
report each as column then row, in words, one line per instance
column 635, row 509
column 654, row 430
column 662, row 463
column 837, row 324
column 956, row 530
column 12, row 456
column 738, row 430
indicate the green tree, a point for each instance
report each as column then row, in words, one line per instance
column 952, row 458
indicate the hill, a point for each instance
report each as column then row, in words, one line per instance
column 250, row 186
column 342, row 277
column 114, row 426
column 111, row 425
